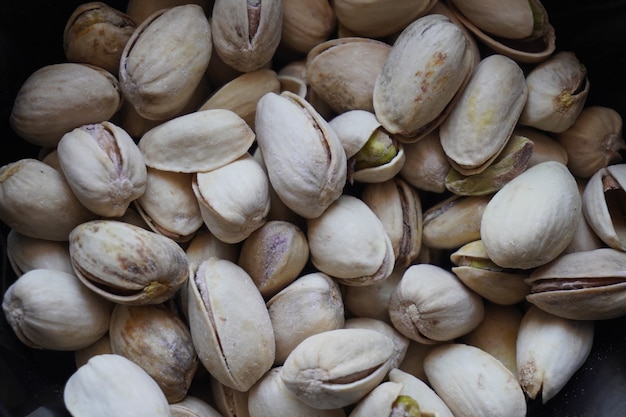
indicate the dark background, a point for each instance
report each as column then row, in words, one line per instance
column 31, row 382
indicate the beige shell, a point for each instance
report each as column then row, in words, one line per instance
column 426, row 164
column 48, row 309
column 234, row 199
column 197, row 142
column 192, row 406
column 418, row 389
column 161, row 65
column 523, row 226
column 111, row 385
column 336, row 368
column 400, row 342
column 229, row 402
column 349, row 242
column 481, row 122
column 103, row 166
column 305, row 161
column 379, row 401
column 301, row 33
column 32, row 196
column 428, row 65
column 372, row 301
column 235, row 344
column 127, row 264
column 510, row 20
column 26, row 253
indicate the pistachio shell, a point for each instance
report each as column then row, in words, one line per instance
column 26, row 253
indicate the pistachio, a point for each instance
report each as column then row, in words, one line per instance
column 301, row 33
column 429, row 402
column 27, row 253
column 545, row 147
column 513, row 21
column 401, row 342
column 426, row 164
column 372, row 301
column 192, row 406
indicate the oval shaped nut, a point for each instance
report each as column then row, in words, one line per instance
column 230, row 325
column 481, row 122
column 483, row 385
column 305, row 161
column 49, row 309
column 197, row 142
column 26, row 253
column 300, row 32
column 338, row 367
column 246, row 33
column 60, row 97
column 103, row 166
column 161, row 65
column 400, row 341
column 331, row 73
column 426, row 164
column 234, row 199
column 349, row 242
column 430, row 305
column 511, row 21
column 524, row 225
column 112, row 385
column 127, row 264
column 427, row 66
column 32, row 194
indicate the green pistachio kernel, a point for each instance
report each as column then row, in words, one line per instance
column 378, row 150
column 405, row 406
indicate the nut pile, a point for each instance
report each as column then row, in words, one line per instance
column 294, row 207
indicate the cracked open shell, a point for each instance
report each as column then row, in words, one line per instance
column 127, row 264
column 589, row 285
column 418, row 389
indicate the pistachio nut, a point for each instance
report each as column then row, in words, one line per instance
column 513, row 21
column 349, row 242
column 426, row 164
column 112, row 385
column 26, row 253
column 429, row 63
column 523, row 226
column 103, row 166
column 429, row 402
column 481, row 122
column 96, row 34
column 430, row 305
column 33, row 194
column 337, row 368
column 543, row 370
column 158, row 340
column 235, row 344
column 125, row 263
column 197, row 142
column 48, row 309
column 305, row 161
column 483, row 385
column 384, row 400
column 246, row 33
column 586, row 285
column 161, row 65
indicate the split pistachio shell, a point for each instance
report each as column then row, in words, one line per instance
column 60, row 97
column 426, row 164
column 155, row 338
column 593, row 141
column 246, row 33
column 336, row 368
column 229, row 401
column 482, row 386
column 523, row 225
column 234, row 199
column 543, row 370
column 305, row 161
column 331, row 73
column 398, row 206
column 192, row 406
column 588, row 285
column 234, row 341
column 274, row 255
column 427, row 66
column 96, row 34
column 603, row 204
column 349, row 242
column 48, row 309
column 270, row 396
column 311, row 304
column 103, row 166
column 481, row 122
column 557, row 92
column 112, row 385
column 499, row 285
column 169, row 205
column 379, row 401
column 26, row 253
column 24, row 185
column 416, row 388
column 127, row 264
column 430, row 305
column 197, row 142
column 161, row 65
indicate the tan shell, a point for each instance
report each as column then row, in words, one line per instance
column 229, row 401
column 161, row 65
column 511, row 20
column 197, row 142
column 48, row 309
column 127, row 264
column 60, row 97
column 235, row 344
column 26, row 253
column 192, row 406
column 426, row 164
column 418, row 389
column 301, row 33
